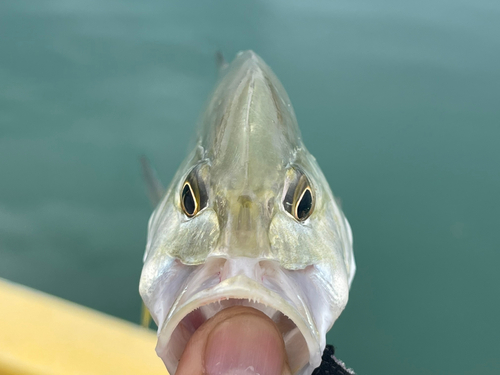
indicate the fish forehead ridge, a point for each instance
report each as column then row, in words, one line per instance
column 249, row 131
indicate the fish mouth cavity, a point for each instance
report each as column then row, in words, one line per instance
column 290, row 316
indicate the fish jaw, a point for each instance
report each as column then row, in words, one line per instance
column 295, row 300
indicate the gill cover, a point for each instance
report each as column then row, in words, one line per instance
column 266, row 229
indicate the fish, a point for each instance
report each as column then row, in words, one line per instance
column 248, row 219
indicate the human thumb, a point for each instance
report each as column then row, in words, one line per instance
column 238, row 340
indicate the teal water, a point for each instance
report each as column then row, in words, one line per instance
column 398, row 101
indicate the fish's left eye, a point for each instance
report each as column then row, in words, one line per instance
column 299, row 199
column 188, row 201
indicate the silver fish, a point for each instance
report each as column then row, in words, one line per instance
column 249, row 219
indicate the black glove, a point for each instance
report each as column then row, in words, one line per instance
column 330, row 365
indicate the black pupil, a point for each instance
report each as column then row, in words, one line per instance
column 305, row 205
column 188, row 200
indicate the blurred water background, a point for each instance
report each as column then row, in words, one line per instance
column 398, row 101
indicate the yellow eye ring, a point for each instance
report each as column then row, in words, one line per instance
column 304, row 205
column 299, row 199
column 189, row 202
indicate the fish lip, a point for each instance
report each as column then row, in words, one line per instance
column 238, row 287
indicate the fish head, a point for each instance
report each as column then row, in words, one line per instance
column 249, row 219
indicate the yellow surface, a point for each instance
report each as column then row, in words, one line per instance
column 42, row 334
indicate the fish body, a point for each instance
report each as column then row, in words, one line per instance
column 248, row 219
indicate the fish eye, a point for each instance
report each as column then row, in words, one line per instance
column 193, row 194
column 299, row 199
column 188, row 201
column 304, row 205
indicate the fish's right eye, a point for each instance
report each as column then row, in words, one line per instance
column 193, row 193
column 299, row 198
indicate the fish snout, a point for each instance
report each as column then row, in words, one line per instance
column 244, row 221
column 249, row 267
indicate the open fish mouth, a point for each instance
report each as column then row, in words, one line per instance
column 271, row 293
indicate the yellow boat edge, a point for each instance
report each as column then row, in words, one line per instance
column 43, row 334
